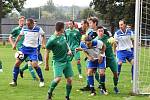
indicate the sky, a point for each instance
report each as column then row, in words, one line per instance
column 37, row 3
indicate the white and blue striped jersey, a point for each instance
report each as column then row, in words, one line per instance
column 31, row 37
column 94, row 51
column 124, row 39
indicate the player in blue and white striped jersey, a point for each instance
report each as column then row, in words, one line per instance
column 124, row 45
column 29, row 49
column 95, row 52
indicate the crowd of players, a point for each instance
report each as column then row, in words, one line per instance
column 100, row 48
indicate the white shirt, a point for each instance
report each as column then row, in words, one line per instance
column 124, row 39
column 31, row 37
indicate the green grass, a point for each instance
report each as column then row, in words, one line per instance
column 28, row 89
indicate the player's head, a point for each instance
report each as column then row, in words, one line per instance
column 21, row 20
column 30, row 23
column 35, row 22
column 71, row 24
column 59, row 26
column 87, row 40
column 84, row 24
column 129, row 26
column 93, row 22
column 122, row 25
column 100, row 31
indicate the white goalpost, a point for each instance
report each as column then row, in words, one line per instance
column 141, row 77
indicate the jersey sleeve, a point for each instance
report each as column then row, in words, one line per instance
column 83, row 46
column 132, row 35
column 115, row 36
column 99, row 44
column 41, row 31
column 49, row 44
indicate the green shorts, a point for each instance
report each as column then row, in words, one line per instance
column 112, row 64
column 60, row 68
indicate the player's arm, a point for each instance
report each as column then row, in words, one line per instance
column 17, row 40
column 69, row 50
column 102, row 53
column 43, row 38
column 11, row 39
column 47, row 59
column 88, row 56
column 43, row 41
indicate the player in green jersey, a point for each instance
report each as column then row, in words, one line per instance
column 110, row 58
column 14, row 34
column 73, row 37
column 61, row 65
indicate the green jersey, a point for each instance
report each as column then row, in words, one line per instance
column 73, row 38
column 109, row 51
column 15, row 32
column 59, row 47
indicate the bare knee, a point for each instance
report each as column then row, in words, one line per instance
column 57, row 79
column 18, row 62
column 69, row 80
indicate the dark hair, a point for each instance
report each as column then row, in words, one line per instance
column 72, row 21
column 59, row 25
column 100, row 27
column 124, row 21
column 94, row 20
column 85, row 21
column 30, row 20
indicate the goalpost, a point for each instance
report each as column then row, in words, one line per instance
column 141, row 77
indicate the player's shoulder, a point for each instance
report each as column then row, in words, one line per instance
column 118, row 32
column 129, row 31
column 83, row 45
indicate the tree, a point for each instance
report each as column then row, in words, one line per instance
column 6, row 7
column 114, row 10
column 50, row 7
column 87, row 12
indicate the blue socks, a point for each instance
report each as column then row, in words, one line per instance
column 39, row 72
column 15, row 73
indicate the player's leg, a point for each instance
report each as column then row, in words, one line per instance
column 87, row 87
column 40, row 55
column 34, row 58
column 121, row 57
column 39, row 72
column 31, row 70
column 130, row 58
column 102, row 67
column 58, row 68
column 112, row 64
column 23, row 69
column 1, row 69
column 91, row 80
column 16, row 71
column 68, row 72
column 77, row 58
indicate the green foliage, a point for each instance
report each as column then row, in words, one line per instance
column 8, row 5
column 115, row 9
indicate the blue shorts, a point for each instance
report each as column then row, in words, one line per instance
column 29, row 52
column 123, row 55
column 95, row 64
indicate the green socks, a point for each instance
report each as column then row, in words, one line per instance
column 79, row 68
column 24, row 67
column 52, row 87
column 0, row 64
column 68, row 89
column 32, row 72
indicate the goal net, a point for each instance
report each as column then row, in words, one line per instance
column 141, row 81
